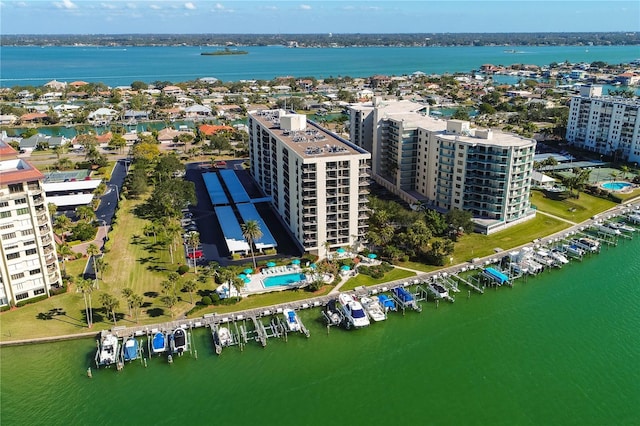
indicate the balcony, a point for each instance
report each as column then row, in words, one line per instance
column 42, row 219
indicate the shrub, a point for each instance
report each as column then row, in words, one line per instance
column 206, row 301
column 60, row 290
column 30, row 301
column 83, row 231
column 236, row 256
column 5, row 308
column 183, row 269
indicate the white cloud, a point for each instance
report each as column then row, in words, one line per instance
column 218, row 6
column 65, row 4
column 108, row 5
column 155, row 7
column 132, row 6
column 190, row 6
column 305, row 7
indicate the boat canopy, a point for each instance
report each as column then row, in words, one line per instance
column 496, row 275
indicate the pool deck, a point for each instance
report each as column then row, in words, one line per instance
column 256, row 286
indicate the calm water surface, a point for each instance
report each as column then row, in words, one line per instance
column 560, row 349
column 122, row 65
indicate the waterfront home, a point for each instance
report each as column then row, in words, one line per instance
column 210, row 129
column 197, row 111
column 56, row 85
column 8, row 119
column 172, row 91
column 33, row 117
column 102, row 115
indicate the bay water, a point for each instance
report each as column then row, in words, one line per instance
column 561, row 348
column 116, row 66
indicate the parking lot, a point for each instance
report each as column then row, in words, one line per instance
column 212, row 241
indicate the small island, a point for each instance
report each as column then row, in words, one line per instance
column 226, row 51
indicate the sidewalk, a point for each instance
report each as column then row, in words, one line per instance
column 98, row 241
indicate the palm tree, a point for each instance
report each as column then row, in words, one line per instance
column 190, row 286
column 110, row 304
column 252, row 232
column 101, row 265
column 64, row 251
column 86, row 287
column 625, row 171
column 171, row 230
column 170, row 300
column 193, row 241
column 52, row 209
column 61, row 226
column 86, row 213
column 136, row 302
column 127, row 293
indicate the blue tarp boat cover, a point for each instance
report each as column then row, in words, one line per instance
column 158, row 341
column 402, row 294
column 499, row 276
column 386, row 302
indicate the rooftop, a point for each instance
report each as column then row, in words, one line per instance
column 311, row 141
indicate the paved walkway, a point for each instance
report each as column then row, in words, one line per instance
column 98, row 241
column 555, row 217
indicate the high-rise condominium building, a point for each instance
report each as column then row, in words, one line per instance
column 447, row 164
column 317, row 181
column 29, row 264
column 605, row 124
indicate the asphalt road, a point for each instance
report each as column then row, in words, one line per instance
column 109, row 201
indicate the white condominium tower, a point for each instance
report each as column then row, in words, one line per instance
column 605, row 124
column 317, row 181
column 29, row 264
column 447, row 164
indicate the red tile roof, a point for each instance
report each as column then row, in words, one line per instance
column 32, row 116
column 210, row 129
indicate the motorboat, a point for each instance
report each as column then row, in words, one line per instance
column 224, row 336
column 439, row 291
column 623, row 227
column 373, row 308
column 607, row 229
column 573, row 250
column 634, row 218
column 178, row 341
column 589, row 244
column 130, row 350
column 558, row 256
column 107, row 350
column 291, row 318
column 387, row 303
column 353, row 311
column 332, row 313
column 159, row 343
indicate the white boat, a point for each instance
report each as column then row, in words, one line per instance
column 107, row 350
column 634, row 218
column 178, row 341
column 607, row 229
column 573, row 250
column 374, row 309
column 559, row 256
column 622, row 227
column 291, row 318
column 438, row 291
column 224, row 337
column 130, row 350
column 353, row 311
column 588, row 243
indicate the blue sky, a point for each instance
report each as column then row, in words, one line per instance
column 277, row 16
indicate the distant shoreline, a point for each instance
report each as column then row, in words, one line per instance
column 328, row 40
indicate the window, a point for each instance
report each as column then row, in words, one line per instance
column 21, row 201
column 11, row 256
column 22, row 296
column 4, row 203
column 8, row 236
column 30, row 252
column 29, row 243
column 27, row 232
column 23, row 210
column 7, row 226
column 5, row 214
column 38, row 291
column 35, row 271
column 16, row 187
column 17, row 276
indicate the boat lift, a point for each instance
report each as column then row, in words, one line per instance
column 405, row 299
column 473, row 286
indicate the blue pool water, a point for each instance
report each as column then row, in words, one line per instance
column 283, row 279
column 615, row 186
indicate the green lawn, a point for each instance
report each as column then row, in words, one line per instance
column 573, row 209
column 365, row 280
column 477, row 245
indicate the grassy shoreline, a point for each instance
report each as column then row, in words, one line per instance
column 137, row 262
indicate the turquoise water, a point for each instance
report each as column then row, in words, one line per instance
column 559, row 349
column 616, row 186
column 283, row 279
column 122, row 65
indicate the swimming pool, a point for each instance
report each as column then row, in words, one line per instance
column 287, row 279
column 616, row 186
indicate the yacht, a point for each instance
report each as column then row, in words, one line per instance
column 224, row 336
column 589, row 244
column 634, row 218
column 573, row 250
column 107, row 350
column 353, row 311
column 130, row 350
column 178, row 341
column 607, row 229
column 290, row 317
column 374, row 308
